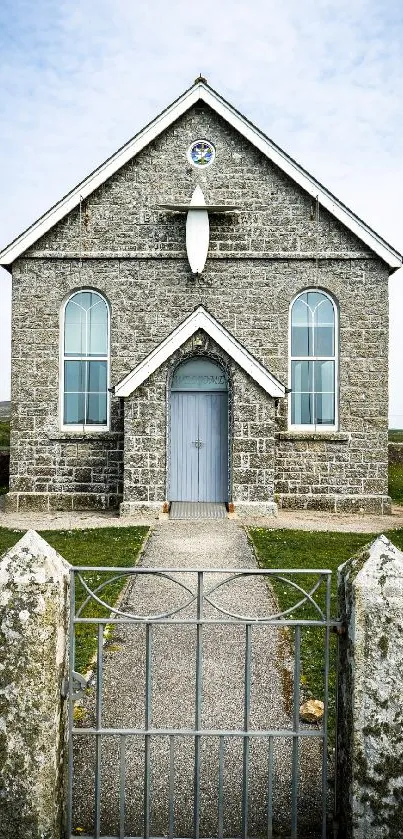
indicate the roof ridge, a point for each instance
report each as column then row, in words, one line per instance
column 200, row 89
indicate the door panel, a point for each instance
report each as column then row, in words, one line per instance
column 184, row 455
column 199, row 446
column 213, row 472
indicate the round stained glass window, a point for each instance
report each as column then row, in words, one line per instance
column 201, row 153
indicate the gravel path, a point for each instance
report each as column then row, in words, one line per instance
column 210, row 544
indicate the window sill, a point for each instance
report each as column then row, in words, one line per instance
column 103, row 434
column 315, row 436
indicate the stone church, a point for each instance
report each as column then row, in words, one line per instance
column 199, row 320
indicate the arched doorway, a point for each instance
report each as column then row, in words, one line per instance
column 199, row 432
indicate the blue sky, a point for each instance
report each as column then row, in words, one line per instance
column 323, row 79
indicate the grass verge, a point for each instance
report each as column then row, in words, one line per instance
column 396, row 482
column 287, row 549
column 395, row 435
column 108, row 546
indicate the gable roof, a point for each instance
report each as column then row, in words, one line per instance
column 201, row 91
column 200, row 319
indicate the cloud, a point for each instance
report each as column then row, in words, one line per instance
column 321, row 78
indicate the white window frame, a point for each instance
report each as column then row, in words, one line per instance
column 85, row 428
column 314, row 428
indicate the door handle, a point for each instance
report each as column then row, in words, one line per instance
column 197, row 443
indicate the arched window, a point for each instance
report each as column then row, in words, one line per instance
column 85, row 360
column 313, row 371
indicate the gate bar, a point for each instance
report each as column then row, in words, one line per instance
column 171, row 785
column 147, row 724
column 295, row 742
column 203, row 732
column 221, row 788
column 208, row 621
column 122, row 783
column 69, row 821
column 199, row 689
column 270, row 791
column 246, row 723
column 98, row 717
column 326, row 708
column 244, row 572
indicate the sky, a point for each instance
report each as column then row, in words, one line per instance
column 323, row 79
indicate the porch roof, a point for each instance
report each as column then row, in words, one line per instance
column 200, row 319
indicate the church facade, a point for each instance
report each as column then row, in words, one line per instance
column 199, row 320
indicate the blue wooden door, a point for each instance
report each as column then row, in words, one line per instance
column 199, row 446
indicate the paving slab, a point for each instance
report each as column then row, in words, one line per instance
column 290, row 519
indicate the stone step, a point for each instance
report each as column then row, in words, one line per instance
column 197, row 510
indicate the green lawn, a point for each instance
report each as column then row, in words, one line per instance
column 396, row 482
column 287, row 549
column 109, row 546
column 4, row 434
column 395, row 435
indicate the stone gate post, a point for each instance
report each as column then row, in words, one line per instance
column 34, row 583
column 370, row 729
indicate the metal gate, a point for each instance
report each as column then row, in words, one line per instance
column 241, row 767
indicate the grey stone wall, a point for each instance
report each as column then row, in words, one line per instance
column 370, row 745
column 258, row 260
column 34, row 583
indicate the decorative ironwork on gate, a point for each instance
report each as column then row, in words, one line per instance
column 201, row 608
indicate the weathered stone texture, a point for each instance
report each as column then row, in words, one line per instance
column 370, row 744
column 259, row 259
column 33, row 641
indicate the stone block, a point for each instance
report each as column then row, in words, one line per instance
column 11, row 502
column 32, row 502
column 320, row 503
column 360, row 504
column 136, row 493
column 256, row 509
column 87, row 501
column 34, row 582
column 60, row 501
column 138, row 509
column 22, row 484
column 370, row 743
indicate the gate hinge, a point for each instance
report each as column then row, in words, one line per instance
column 79, row 685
